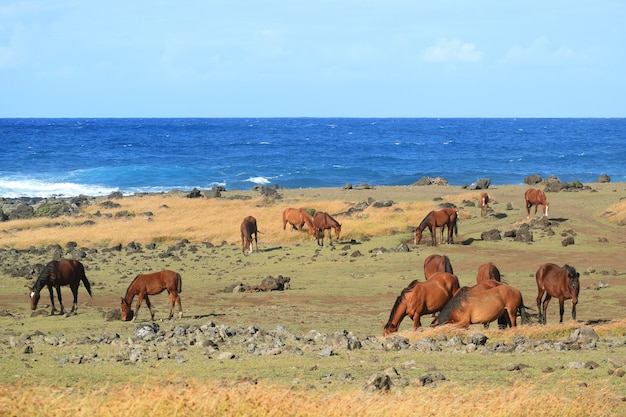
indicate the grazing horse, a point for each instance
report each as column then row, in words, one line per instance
column 298, row 217
column 534, row 197
column 488, row 271
column 421, row 298
column 483, row 303
column 151, row 284
column 558, row 282
column 56, row 274
column 437, row 263
column 439, row 218
column 248, row 229
column 323, row 221
column 484, row 204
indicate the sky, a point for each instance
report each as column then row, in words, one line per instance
column 314, row 58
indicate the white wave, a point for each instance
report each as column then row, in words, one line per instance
column 259, row 180
column 14, row 188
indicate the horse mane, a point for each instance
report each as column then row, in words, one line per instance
column 424, row 224
column 130, row 285
column 447, row 265
column 44, row 276
column 571, row 272
column 400, row 298
column 452, row 305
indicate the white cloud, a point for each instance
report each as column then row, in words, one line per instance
column 452, row 50
column 540, row 51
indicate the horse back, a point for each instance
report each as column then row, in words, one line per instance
column 555, row 280
column 248, row 226
column 488, row 271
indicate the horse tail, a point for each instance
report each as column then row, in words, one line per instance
column 86, row 283
column 179, row 283
column 525, row 317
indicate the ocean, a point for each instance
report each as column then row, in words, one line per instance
column 68, row 157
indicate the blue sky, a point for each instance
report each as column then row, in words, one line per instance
column 240, row 58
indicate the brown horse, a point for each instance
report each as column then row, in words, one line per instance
column 57, row 274
column 558, row 282
column 483, row 303
column 421, row 298
column 151, row 284
column 323, row 221
column 437, row 263
column 488, row 271
column 298, row 217
column 249, row 231
column 439, row 218
column 534, row 197
column 484, row 204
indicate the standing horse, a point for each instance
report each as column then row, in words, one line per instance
column 558, row 282
column 323, row 221
column 151, row 284
column 56, row 274
column 421, row 298
column 488, row 271
column 440, row 218
column 483, row 303
column 437, row 263
column 484, row 204
column 248, row 229
column 298, row 217
column 534, row 197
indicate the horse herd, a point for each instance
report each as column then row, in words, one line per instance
column 488, row 300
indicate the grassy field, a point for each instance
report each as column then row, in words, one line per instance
column 350, row 286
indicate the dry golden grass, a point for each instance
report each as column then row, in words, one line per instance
column 193, row 398
column 616, row 213
column 198, row 220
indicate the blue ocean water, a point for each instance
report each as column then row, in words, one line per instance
column 67, row 157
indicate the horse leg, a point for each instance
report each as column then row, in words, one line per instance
column 433, row 234
column 417, row 323
column 573, row 310
column 52, row 300
column 149, row 304
column 546, row 301
column 139, row 300
column 58, row 287
column 539, row 296
column 561, row 308
column 330, row 236
column 180, row 307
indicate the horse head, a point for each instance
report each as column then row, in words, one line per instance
column 126, row 312
column 418, row 236
column 34, row 294
column 389, row 328
column 338, row 230
column 573, row 282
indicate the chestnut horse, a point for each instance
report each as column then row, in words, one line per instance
column 437, row 263
column 473, row 305
column 534, row 197
column 248, row 229
column 57, row 274
column 488, row 271
column 484, row 204
column 323, row 221
column 421, row 298
column 151, row 284
column 439, row 218
column 558, row 282
column 298, row 217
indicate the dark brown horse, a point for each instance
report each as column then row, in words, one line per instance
column 57, row 274
column 151, row 284
column 484, row 204
column 249, row 232
column 483, row 303
column 534, row 197
column 437, row 263
column 323, row 221
column 488, row 271
column 421, row 298
column 558, row 282
column 443, row 218
column 298, row 217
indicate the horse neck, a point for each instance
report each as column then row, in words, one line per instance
column 424, row 224
column 131, row 292
column 397, row 312
column 44, row 277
